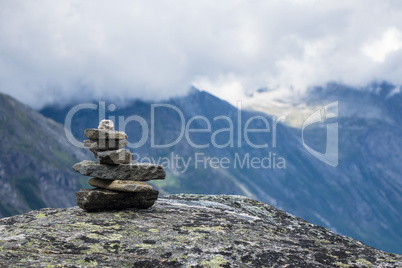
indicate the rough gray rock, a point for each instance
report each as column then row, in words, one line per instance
column 180, row 231
column 103, row 145
column 106, row 124
column 116, row 157
column 88, row 143
column 102, row 134
column 101, row 199
column 133, row 171
column 95, row 152
column 122, row 186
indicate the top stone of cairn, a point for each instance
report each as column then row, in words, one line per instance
column 106, row 125
column 105, row 131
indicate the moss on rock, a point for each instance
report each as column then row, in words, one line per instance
column 180, row 230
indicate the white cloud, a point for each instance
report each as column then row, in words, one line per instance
column 50, row 51
column 390, row 41
column 228, row 87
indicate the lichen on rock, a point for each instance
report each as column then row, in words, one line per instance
column 180, row 231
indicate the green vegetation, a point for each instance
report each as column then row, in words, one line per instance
column 28, row 192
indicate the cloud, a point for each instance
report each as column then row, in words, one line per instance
column 391, row 41
column 53, row 51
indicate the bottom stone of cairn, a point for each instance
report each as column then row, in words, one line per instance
column 101, row 199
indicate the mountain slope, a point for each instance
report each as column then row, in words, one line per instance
column 181, row 231
column 370, row 153
column 360, row 198
column 35, row 161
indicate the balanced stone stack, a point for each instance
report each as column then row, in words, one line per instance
column 118, row 180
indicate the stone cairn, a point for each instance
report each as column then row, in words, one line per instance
column 118, row 180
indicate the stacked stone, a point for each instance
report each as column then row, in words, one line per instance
column 118, row 180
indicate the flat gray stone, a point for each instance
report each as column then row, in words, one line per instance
column 132, row 171
column 121, row 186
column 102, row 134
column 88, row 143
column 105, row 145
column 101, row 199
column 116, row 157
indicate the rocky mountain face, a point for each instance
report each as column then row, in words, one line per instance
column 35, row 161
column 370, row 152
column 181, row 231
column 361, row 197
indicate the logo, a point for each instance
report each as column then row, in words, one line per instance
column 330, row 156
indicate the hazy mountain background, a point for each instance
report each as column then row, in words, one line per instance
column 360, row 198
column 35, row 160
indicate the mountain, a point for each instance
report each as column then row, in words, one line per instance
column 374, row 101
column 181, row 231
column 35, row 161
column 370, row 138
column 361, row 197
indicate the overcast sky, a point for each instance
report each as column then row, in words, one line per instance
column 52, row 50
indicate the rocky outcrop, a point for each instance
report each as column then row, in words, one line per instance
column 180, row 231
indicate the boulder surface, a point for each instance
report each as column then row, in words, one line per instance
column 180, row 231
